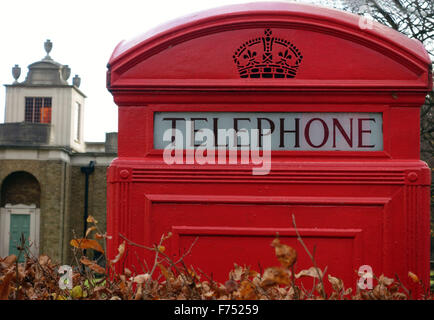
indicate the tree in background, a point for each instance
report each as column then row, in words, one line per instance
column 414, row 18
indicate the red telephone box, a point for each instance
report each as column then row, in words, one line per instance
column 340, row 100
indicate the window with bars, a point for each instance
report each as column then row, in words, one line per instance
column 38, row 109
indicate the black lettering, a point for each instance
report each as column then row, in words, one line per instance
column 236, row 129
column 173, row 125
column 283, row 131
column 336, row 124
column 307, row 133
column 361, row 132
column 215, row 130
column 260, row 134
column 194, row 130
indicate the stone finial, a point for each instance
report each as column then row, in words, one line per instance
column 48, row 45
column 16, row 72
column 76, row 81
column 66, row 72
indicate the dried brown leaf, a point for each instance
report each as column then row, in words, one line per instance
column 139, row 293
column 21, row 272
column 5, row 286
column 102, row 236
column 166, row 273
column 385, row 280
column 380, row 292
column 311, row 272
column 9, row 261
column 205, row 286
column 334, row 296
column 193, row 275
column 91, row 219
column 320, row 289
column 168, row 236
column 247, row 291
column 286, row 255
column 92, row 265
column 231, row 285
column 236, row 273
column 89, row 230
column 348, row 291
column 44, row 260
column 141, row 278
column 413, row 277
column 394, row 287
column 100, row 288
column 127, row 272
column 121, row 250
column 208, row 295
column 337, row 284
column 399, row 296
column 87, row 244
column 253, row 273
column 276, row 275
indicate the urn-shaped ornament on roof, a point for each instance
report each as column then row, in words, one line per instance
column 76, row 81
column 66, row 72
column 16, row 72
column 48, row 45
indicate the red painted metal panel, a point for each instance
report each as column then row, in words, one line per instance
column 357, row 207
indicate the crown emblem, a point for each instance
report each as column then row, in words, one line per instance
column 267, row 57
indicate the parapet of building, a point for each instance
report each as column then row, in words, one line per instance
column 25, row 134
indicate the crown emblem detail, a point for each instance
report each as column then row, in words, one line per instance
column 267, row 57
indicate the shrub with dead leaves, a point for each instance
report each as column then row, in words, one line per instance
column 38, row 278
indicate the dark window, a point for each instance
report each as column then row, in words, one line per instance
column 38, row 109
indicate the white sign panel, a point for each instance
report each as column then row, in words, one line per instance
column 290, row 131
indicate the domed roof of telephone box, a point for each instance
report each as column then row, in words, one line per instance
column 270, row 43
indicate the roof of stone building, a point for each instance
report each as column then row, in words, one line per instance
column 47, row 72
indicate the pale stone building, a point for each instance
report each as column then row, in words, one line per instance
column 50, row 177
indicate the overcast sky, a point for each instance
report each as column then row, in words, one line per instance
column 84, row 33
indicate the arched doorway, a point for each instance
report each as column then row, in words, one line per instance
column 20, row 199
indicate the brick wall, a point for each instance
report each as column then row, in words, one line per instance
column 20, row 188
column 96, row 201
column 61, row 201
column 50, row 175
